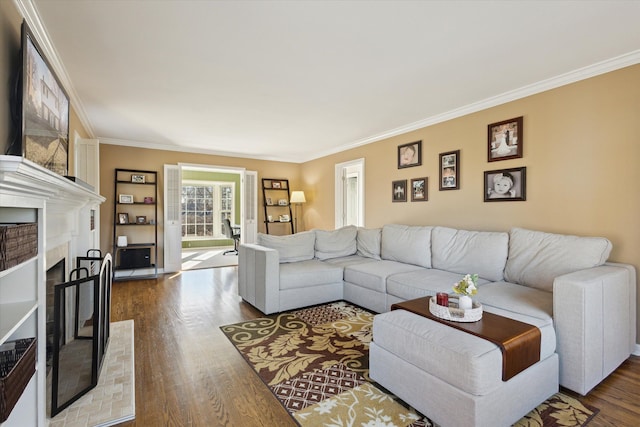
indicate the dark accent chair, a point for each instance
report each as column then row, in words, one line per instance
column 228, row 231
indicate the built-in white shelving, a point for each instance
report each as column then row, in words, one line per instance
column 30, row 193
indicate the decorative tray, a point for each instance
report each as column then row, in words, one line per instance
column 453, row 313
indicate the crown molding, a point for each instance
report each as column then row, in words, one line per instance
column 196, row 150
column 612, row 64
column 30, row 14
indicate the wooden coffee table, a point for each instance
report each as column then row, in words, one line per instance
column 518, row 341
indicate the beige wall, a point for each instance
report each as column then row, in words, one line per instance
column 581, row 150
column 10, row 39
column 114, row 156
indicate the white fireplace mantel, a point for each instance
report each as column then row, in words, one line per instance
column 64, row 211
column 23, row 178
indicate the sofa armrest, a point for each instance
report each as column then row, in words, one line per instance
column 594, row 316
column 259, row 277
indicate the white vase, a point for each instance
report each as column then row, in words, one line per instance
column 465, row 302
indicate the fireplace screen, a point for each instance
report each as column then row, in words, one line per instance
column 81, row 332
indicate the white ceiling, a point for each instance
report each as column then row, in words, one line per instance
column 296, row 80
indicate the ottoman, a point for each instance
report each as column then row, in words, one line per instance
column 453, row 377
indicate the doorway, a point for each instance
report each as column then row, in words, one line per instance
column 349, row 191
column 198, row 199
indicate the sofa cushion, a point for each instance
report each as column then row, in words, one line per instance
column 336, row 243
column 373, row 275
column 349, row 260
column 423, row 282
column 465, row 361
column 461, row 359
column 291, row 248
column 368, row 242
column 305, row 274
column 407, row 244
column 517, row 299
column 536, row 258
column 468, row 252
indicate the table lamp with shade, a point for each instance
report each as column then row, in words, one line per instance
column 297, row 198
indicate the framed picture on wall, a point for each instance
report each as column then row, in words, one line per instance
column 399, row 191
column 450, row 170
column 410, row 155
column 505, row 140
column 505, row 185
column 419, row 190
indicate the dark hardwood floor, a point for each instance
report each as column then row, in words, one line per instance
column 189, row 374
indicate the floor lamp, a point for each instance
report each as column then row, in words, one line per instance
column 297, row 198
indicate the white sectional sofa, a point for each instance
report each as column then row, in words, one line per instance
column 583, row 305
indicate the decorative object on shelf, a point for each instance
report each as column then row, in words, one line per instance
column 125, row 198
column 283, row 202
column 18, row 243
column 399, row 191
column 450, row 170
column 148, row 200
column 17, row 366
column 297, row 199
column 122, row 241
column 466, row 288
column 505, row 185
column 410, row 155
column 505, row 140
column 270, row 218
column 123, row 218
column 419, row 190
column 453, row 312
column 284, row 218
column 275, row 184
column 141, row 219
column 137, row 179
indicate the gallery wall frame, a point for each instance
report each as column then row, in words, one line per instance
column 505, row 185
column 410, row 155
column 450, row 170
column 504, row 140
column 419, row 189
column 399, row 191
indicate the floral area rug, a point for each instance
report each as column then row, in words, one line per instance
column 316, row 362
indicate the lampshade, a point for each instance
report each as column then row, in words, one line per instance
column 298, row 197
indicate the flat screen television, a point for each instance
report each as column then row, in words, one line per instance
column 44, row 110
